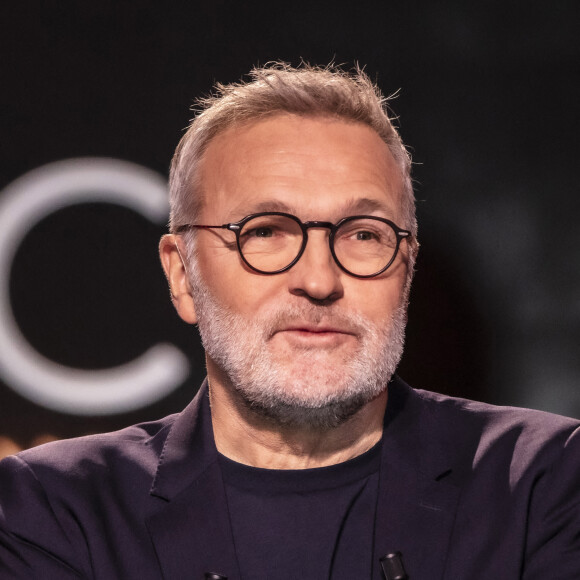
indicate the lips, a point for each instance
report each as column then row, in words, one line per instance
column 313, row 324
column 312, row 336
column 314, row 329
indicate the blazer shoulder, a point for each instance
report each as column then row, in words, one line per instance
column 488, row 416
column 138, row 447
column 474, row 429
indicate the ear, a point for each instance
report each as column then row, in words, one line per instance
column 171, row 250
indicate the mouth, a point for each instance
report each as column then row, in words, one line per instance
column 315, row 329
column 303, row 335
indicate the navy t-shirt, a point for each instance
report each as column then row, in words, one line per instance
column 307, row 524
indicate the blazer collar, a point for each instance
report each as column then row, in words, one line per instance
column 422, row 473
column 188, row 450
column 190, row 526
column 423, row 469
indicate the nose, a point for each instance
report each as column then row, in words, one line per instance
column 316, row 275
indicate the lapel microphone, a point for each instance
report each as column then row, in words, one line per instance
column 392, row 565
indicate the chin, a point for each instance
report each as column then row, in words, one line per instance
column 292, row 407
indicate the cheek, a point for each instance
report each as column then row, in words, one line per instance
column 238, row 290
column 220, row 270
column 233, row 284
column 254, row 296
column 377, row 300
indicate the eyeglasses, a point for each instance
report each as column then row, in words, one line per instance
column 272, row 242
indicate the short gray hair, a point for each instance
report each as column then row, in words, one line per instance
column 278, row 88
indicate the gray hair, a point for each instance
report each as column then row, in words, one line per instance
column 278, row 88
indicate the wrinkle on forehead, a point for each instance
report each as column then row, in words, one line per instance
column 356, row 206
column 265, row 165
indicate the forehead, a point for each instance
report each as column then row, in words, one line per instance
column 305, row 165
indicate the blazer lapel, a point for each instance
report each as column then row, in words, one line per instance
column 422, row 473
column 420, row 485
column 189, row 525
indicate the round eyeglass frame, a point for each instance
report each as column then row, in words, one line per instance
column 237, row 227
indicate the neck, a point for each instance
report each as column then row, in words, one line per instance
column 247, row 437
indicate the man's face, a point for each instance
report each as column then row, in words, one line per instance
column 312, row 344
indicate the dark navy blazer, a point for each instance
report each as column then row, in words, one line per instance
column 467, row 491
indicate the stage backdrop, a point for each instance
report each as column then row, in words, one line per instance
column 95, row 97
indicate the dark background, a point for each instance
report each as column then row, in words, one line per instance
column 488, row 101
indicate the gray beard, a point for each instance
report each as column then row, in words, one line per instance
column 308, row 393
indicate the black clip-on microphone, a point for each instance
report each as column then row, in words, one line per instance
column 392, row 565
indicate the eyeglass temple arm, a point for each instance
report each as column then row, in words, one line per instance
column 205, row 227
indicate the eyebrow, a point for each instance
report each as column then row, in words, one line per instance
column 366, row 205
column 271, row 205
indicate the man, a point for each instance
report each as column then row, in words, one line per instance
column 292, row 245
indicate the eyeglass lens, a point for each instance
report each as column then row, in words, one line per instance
column 363, row 246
